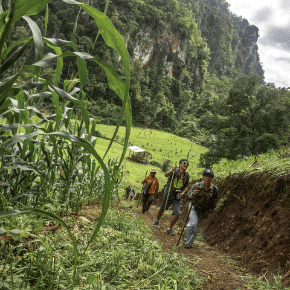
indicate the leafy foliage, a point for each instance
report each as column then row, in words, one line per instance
column 35, row 147
column 242, row 123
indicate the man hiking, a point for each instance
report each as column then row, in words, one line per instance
column 128, row 189
column 151, row 185
column 132, row 193
column 203, row 196
column 177, row 182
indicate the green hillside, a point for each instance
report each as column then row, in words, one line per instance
column 163, row 146
column 275, row 162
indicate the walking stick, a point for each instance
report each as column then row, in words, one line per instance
column 185, row 223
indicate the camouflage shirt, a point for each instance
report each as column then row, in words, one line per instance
column 205, row 200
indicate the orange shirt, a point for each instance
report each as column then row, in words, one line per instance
column 154, row 185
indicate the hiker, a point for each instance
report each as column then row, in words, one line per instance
column 150, row 189
column 203, row 196
column 132, row 193
column 172, row 193
column 128, row 189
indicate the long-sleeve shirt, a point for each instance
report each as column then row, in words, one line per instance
column 153, row 186
column 205, row 200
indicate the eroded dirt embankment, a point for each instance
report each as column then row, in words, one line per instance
column 253, row 222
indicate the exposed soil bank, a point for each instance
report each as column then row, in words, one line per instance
column 253, row 222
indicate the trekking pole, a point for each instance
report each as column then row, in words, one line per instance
column 172, row 177
column 142, row 190
column 186, row 220
column 185, row 223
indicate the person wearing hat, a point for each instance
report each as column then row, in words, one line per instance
column 151, row 186
column 203, row 196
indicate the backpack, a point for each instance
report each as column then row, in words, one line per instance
column 175, row 174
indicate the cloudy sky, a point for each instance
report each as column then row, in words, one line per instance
column 272, row 17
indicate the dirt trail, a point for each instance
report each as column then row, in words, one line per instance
column 218, row 270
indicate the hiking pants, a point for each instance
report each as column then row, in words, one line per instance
column 191, row 227
column 147, row 201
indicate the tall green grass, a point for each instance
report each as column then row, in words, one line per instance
column 123, row 256
column 31, row 160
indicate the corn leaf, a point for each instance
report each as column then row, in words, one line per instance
column 113, row 39
column 37, row 37
column 13, row 58
column 6, row 86
column 31, row 7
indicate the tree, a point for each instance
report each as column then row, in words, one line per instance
column 248, row 101
column 240, row 128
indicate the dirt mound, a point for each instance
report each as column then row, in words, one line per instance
column 253, row 222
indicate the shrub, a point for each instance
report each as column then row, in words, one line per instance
column 267, row 142
column 166, row 164
column 155, row 163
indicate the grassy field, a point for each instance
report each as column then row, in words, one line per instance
column 163, row 146
column 274, row 162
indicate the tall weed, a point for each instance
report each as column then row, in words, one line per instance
column 32, row 153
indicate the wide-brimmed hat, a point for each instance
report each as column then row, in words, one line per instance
column 153, row 170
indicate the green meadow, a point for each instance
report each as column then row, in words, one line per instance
column 163, row 146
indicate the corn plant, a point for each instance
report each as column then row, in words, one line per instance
column 31, row 152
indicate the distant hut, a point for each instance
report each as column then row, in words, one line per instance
column 138, row 154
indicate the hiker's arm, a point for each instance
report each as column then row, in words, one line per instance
column 169, row 172
column 193, row 191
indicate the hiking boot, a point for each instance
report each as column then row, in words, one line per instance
column 170, row 232
column 187, row 246
column 156, row 223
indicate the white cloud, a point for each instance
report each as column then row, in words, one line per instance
column 264, row 15
column 272, row 19
column 284, row 4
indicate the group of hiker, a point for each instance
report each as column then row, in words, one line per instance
column 202, row 196
column 129, row 193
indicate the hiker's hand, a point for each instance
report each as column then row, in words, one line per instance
column 173, row 168
column 194, row 193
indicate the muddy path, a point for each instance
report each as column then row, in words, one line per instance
column 220, row 271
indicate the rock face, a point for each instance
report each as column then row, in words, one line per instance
column 171, row 51
column 231, row 39
column 229, row 42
